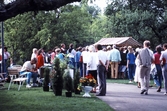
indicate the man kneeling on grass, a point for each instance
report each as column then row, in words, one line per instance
column 29, row 68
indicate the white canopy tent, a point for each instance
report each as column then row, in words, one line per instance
column 119, row 41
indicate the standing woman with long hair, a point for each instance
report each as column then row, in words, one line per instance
column 40, row 60
column 157, row 62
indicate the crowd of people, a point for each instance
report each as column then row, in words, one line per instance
column 107, row 62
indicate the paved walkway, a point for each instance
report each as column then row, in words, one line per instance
column 122, row 97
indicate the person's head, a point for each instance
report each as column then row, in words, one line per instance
column 165, row 46
column 5, row 49
column 91, row 48
column 121, row 49
column 71, row 45
column 114, row 46
column 79, row 48
column 108, row 47
column 58, row 50
column 130, row 49
column 137, row 49
column 125, row 47
column 98, row 47
column 33, row 61
column 39, row 51
column 63, row 45
column 146, row 43
column 159, row 49
column 34, row 50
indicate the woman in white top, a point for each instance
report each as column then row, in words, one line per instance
column 34, row 53
column 137, row 70
column 92, row 63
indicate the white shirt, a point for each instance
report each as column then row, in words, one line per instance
column 27, row 66
column 85, row 55
column 163, row 55
column 92, row 61
column 72, row 54
column 102, row 56
column 33, row 56
column 6, row 54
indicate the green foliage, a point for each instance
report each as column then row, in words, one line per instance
column 63, row 65
column 47, row 29
column 46, row 77
column 137, row 18
column 76, row 79
column 36, row 99
column 68, row 82
column 57, row 80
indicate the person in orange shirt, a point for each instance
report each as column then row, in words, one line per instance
column 40, row 60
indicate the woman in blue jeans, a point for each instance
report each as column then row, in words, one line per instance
column 131, row 64
column 158, row 76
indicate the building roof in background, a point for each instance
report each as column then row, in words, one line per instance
column 119, row 41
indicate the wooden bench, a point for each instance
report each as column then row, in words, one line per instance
column 15, row 76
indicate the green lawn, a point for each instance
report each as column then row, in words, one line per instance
column 35, row 99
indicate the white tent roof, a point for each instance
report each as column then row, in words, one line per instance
column 119, row 41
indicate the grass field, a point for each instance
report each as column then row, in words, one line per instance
column 35, row 99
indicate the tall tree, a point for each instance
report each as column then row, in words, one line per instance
column 21, row 6
column 139, row 19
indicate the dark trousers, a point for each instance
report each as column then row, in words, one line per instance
column 93, row 73
column 84, row 69
column 101, row 79
column 78, row 65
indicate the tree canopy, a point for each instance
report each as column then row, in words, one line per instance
column 21, row 6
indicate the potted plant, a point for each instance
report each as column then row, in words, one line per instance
column 46, row 79
column 68, row 83
column 87, row 83
column 76, row 82
column 57, row 78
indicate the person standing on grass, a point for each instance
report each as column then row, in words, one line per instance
column 92, row 64
column 137, row 70
column 29, row 68
column 115, row 59
column 158, row 76
column 101, row 70
column 84, row 55
column 163, row 59
column 40, row 60
column 71, row 54
column 122, row 65
column 78, row 63
column 131, row 64
column 145, row 59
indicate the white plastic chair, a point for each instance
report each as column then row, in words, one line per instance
column 16, row 77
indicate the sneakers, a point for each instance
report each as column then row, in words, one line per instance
column 28, row 86
column 130, row 82
column 34, row 85
column 165, row 93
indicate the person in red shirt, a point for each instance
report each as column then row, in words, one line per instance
column 40, row 60
column 158, row 76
